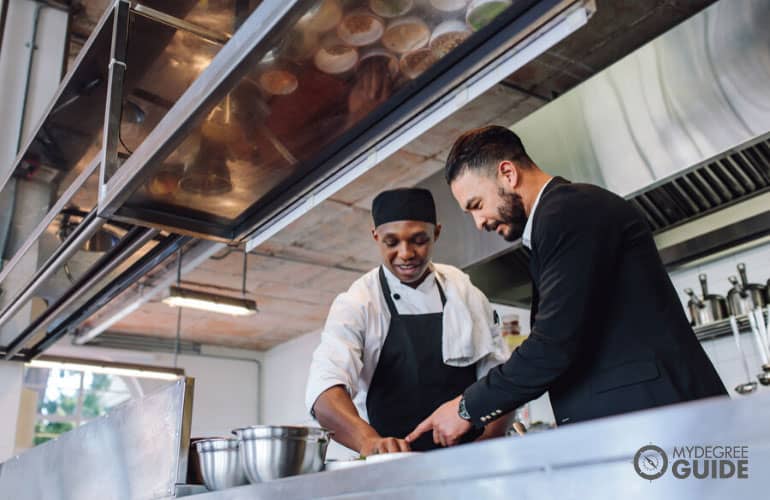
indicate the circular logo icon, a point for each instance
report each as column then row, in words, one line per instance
column 650, row 462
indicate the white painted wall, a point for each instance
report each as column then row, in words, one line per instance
column 286, row 369
column 10, row 394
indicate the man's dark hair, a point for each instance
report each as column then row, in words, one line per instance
column 484, row 148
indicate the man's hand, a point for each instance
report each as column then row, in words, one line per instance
column 378, row 445
column 446, row 424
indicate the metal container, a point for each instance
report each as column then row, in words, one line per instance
column 220, row 463
column 744, row 296
column 708, row 309
column 272, row 452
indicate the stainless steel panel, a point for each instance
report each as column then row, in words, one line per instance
column 253, row 143
column 62, row 143
column 268, row 148
column 135, row 452
column 586, row 460
column 685, row 97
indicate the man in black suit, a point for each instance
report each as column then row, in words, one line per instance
column 609, row 334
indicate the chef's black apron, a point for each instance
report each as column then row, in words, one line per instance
column 411, row 380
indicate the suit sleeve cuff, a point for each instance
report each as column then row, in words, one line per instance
column 480, row 413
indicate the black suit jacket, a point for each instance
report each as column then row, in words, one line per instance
column 609, row 333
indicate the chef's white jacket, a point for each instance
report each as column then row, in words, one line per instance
column 359, row 319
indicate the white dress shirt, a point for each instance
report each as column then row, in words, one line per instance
column 359, row 319
column 526, row 236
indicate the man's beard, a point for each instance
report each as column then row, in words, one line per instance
column 511, row 213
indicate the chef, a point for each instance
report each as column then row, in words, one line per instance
column 609, row 334
column 406, row 336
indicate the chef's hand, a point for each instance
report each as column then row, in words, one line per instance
column 379, row 445
column 446, row 424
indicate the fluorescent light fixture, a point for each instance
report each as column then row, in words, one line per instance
column 206, row 301
column 112, row 370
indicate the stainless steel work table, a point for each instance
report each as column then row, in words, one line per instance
column 586, row 460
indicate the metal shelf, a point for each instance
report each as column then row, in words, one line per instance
column 722, row 327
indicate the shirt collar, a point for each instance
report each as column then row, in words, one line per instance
column 395, row 284
column 526, row 236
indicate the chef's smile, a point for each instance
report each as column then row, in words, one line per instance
column 406, row 248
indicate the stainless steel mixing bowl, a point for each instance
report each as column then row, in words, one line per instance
column 220, row 463
column 271, row 452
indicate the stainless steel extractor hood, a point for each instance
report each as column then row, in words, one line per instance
column 679, row 127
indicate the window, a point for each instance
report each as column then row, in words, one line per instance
column 67, row 398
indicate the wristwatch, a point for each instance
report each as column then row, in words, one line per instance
column 463, row 411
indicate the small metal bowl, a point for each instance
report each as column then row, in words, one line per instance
column 272, row 452
column 220, row 463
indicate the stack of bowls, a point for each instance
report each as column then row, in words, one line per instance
column 271, row 452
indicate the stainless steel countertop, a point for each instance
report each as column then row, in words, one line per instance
column 586, row 460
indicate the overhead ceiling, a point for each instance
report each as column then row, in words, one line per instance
column 295, row 276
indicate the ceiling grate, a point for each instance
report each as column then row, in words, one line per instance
column 730, row 177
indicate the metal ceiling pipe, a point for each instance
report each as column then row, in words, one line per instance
column 32, row 45
column 76, row 240
column 80, row 288
column 191, row 259
column 9, row 200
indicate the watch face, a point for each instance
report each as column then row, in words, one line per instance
column 462, row 411
column 650, row 462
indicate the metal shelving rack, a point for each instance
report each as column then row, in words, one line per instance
column 722, row 327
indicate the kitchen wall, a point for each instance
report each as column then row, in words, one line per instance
column 722, row 350
column 284, row 379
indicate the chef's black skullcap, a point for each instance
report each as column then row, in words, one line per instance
column 403, row 204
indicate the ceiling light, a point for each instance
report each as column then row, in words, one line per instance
column 206, row 301
column 111, row 370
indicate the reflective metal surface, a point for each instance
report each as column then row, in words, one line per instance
column 138, row 451
column 708, row 308
column 267, row 116
column 586, row 460
column 238, row 154
column 745, row 297
column 220, row 463
column 696, row 91
column 133, row 246
column 273, row 452
column 51, row 222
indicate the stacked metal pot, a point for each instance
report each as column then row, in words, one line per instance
column 261, row 453
column 744, row 299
